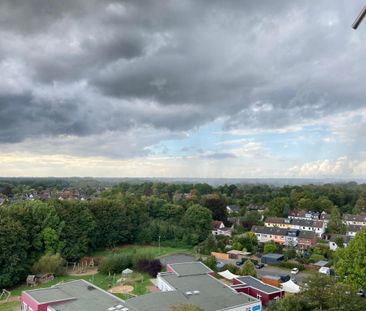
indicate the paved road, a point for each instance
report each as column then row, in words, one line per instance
column 277, row 271
column 176, row 258
column 274, row 271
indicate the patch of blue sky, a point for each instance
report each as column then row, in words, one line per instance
column 307, row 143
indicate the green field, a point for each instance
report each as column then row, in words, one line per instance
column 154, row 251
column 10, row 306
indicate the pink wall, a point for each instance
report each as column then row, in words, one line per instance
column 30, row 302
column 265, row 297
column 34, row 305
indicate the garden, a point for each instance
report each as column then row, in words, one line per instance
column 124, row 271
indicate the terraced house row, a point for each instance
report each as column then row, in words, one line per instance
column 287, row 237
column 302, row 229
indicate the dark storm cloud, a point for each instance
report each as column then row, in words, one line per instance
column 87, row 67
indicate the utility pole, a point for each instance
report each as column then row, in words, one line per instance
column 159, row 244
column 359, row 18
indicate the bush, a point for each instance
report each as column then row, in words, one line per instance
column 54, row 264
column 233, row 269
column 152, row 267
column 115, row 263
column 118, row 262
column 290, row 265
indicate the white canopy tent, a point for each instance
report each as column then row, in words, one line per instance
column 228, row 275
column 290, row 287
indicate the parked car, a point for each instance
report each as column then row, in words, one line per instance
column 361, row 293
column 239, row 263
column 294, row 271
column 259, row 266
column 285, row 278
column 219, row 265
column 324, row 270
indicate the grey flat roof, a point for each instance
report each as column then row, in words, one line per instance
column 49, row 294
column 190, row 268
column 321, row 263
column 213, row 295
column 273, row 255
column 255, row 283
column 86, row 297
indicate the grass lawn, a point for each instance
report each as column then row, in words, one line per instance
column 9, row 306
column 144, row 249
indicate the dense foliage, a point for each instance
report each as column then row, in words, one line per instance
column 321, row 293
column 146, row 212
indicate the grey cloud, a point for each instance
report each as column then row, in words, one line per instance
column 175, row 65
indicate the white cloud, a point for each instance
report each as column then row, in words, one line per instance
column 341, row 167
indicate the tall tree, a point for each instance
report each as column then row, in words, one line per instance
column 335, row 224
column 112, row 224
column 217, row 205
column 13, row 251
column 79, row 226
column 350, row 262
column 198, row 219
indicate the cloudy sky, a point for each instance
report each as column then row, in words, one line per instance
column 182, row 88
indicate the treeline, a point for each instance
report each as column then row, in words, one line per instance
column 31, row 229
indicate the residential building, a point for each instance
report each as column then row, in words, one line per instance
column 267, row 234
column 358, row 220
column 316, row 226
column 218, row 228
column 256, row 288
column 256, row 207
column 353, row 229
column 336, row 238
column 231, row 209
column 288, row 237
column 280, row 222
column 305, row 215
column 325, row 217
column 306, row 239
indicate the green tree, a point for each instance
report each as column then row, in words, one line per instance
column 112, row 224
column 335, row 224
column 288, row 303
column 248, row 268
column 51, row 239
column 217, row 205
column 270, row 247
column 350, row 262
column 277, row 206
column 13, row 251
column 78, row 229
column 360, row 203
column 198, row 220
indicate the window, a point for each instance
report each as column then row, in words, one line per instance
column 259, row 297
